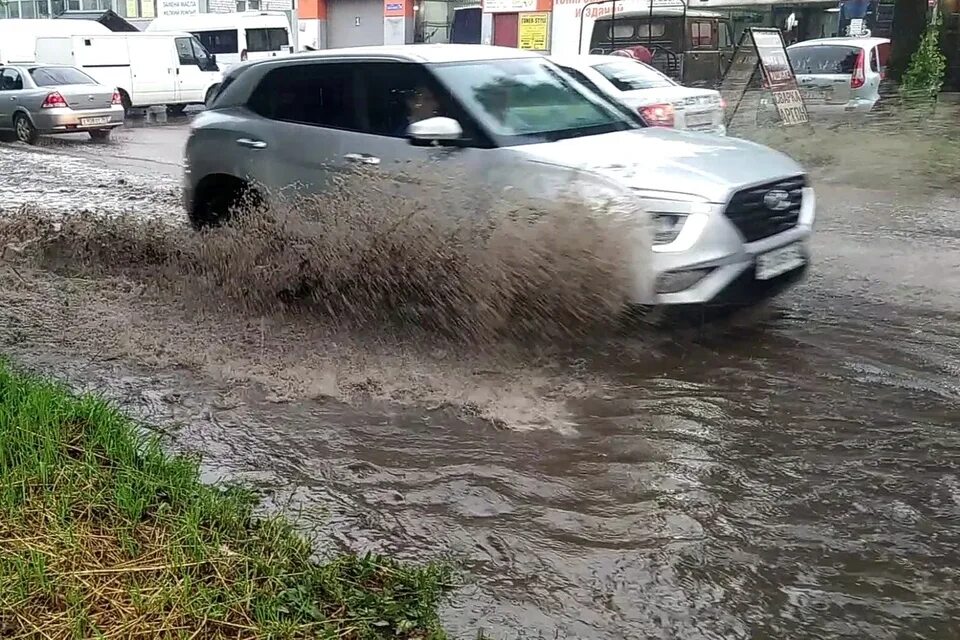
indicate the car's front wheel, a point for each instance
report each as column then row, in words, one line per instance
column 100, row 135
column 24, row 129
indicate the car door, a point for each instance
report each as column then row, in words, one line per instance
column 305, row 123
column 11, row 93
column 190, row 79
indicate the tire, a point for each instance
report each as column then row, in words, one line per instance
column 219, row 202
column 126, row 102
column 101, row 135
column 176, row 109
column 24, row 129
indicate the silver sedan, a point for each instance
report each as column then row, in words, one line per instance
column 41, row 99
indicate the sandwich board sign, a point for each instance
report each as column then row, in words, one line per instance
column 763, row 49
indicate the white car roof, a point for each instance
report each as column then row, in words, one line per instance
column 425, row 53
column 863, row 43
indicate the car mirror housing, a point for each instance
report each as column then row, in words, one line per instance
column 437, row 129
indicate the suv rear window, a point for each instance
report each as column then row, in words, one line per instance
column 53, row 76
column 824, row 59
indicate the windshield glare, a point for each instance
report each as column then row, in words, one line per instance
column 528, row 100
column 631, row 75
column 53, row 76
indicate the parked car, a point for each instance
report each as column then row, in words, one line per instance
column 840, row 75
column 660, row 101
column 731, row 218
column 171, row 69
column 42, row 99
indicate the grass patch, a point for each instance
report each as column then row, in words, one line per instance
column 103, row 534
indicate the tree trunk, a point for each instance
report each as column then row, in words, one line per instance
column 909, row 21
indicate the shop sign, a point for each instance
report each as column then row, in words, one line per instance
column 533, row 31
column 509, row 6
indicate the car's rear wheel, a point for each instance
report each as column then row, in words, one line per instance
column 101, row 135
column 219, row 198
column 126, row 102
column 24, row 129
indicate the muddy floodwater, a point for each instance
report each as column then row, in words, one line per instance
column 795, row 476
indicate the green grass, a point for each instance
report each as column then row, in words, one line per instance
column 103, row 534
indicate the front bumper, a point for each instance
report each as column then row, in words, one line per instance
column 67, row 120
column 722, row 265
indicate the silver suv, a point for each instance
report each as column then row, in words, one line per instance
column 731, row 218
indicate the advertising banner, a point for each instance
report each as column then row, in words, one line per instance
column 533, row 31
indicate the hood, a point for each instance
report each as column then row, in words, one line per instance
column 668, row 160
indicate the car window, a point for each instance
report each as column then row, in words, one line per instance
column 632, row 75
column 219, row 42
column 10, row 80
column 726, row 40
column 583, row 79
column 827, row 59
column 524, row 100
column 701, row 35
column 874, row 63
column 317, row 94
column 185, row 51
column 272, row 39
column 397, row 94
column 52, row 76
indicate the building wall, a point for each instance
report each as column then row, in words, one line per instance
column 354, row 23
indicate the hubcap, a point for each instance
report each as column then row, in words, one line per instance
column 23, row 130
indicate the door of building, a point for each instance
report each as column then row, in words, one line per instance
column 505, row 29
column 354, row 23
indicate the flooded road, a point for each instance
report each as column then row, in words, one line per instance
column 796, row 477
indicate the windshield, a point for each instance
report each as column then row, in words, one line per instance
column 823, row 59
column 631, row 75
column 528, row 100
column 53, row 76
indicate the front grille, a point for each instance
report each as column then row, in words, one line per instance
column 755, row 219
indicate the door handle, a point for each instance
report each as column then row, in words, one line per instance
column 362, row 158
column 252, row 144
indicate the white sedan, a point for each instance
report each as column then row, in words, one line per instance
column 658, row 100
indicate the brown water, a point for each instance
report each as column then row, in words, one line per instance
column 796, row 476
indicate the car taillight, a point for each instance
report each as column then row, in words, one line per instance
column 53, row 101
column 657, row 115
column 859, row 75
column 116, row 98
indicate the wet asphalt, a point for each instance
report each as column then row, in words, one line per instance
column 798, row 477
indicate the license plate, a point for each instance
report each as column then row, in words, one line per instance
column 811, row 95
column 699, row 119
column 780, row 261
column 87, row 122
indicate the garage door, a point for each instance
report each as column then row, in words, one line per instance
column 354, row 23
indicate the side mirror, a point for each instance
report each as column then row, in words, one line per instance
column 437, row 129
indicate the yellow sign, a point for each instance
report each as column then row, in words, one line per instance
column 532, row 30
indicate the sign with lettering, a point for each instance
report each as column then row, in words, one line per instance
column 509, row 6
column 532, row 31
column 764, row 48
column 178, row 7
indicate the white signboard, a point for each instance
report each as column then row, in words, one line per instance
column 509, row 6
column 278, row 5
column 566, row 20
column 178, row 7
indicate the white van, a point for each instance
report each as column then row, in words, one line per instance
column 233, row 37
column 148, row 69
column 18, row 37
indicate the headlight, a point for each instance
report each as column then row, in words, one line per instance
column 675, row 232
column 667, row 226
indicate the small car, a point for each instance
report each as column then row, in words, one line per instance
column 840, row 75
column 731, row 219
column 38, row 99
column 657, row 99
